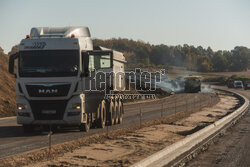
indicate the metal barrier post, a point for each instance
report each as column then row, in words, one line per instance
column 200, row 101
column 49, row 135
column 162, row 109
column 140, row 115
column 107, row 130
column 175, row 104
column 186, row 103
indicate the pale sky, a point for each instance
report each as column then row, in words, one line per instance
column 221, row 24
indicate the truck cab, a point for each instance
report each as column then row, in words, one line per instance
column 53, row 74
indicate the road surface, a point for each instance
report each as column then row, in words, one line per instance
column 231, row 150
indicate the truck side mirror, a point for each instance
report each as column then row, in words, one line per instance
column 12, row 62
column 85, row 63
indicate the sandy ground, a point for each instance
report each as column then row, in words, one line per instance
column 134, row 146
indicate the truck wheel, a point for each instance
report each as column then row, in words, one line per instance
column 102, row 115
column 110, row 112
column 28, row 128
column 117, row 109
column 121, row 112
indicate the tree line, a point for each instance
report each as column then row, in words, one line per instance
column 141, row 54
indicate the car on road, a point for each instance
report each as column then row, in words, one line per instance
column 247, row 85
column 238, row 84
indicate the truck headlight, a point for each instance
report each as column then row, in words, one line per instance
column 76, row 106
column 21, row 107
column 20, row 112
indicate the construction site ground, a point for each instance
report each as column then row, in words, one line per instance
column 133, row 146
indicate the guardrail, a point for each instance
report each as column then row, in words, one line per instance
column 175, row 153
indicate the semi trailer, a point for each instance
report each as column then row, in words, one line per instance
column 62, row 79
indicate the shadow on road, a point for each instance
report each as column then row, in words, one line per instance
column 13, row 131
column 17, row 131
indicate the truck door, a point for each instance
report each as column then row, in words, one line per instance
column 97, row 67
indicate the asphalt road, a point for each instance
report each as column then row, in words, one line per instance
column 14, row 141
column 232, row 149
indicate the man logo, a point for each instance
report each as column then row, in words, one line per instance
column 36, row 45
column 47, row 91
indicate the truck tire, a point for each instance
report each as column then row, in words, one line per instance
column 110, row 112
column 101, row 121
column 121, row 111
column 117, row 109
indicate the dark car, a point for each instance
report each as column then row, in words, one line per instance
column 247, row 85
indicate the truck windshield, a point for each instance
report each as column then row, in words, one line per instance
column 48, row 63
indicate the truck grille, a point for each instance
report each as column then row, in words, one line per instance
column 55, row 90
column 40, row 109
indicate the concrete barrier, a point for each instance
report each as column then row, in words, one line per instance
column 174, row 151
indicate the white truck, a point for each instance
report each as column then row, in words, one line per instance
column 57, row 81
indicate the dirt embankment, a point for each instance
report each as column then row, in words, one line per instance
column 7, row 89
column 128, row 148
